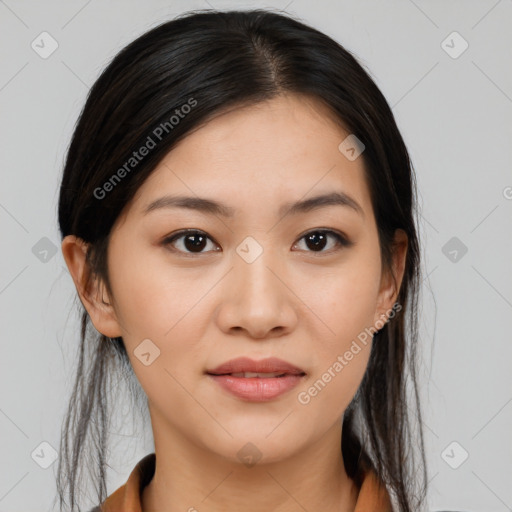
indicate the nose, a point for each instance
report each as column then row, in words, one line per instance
column 257, row 299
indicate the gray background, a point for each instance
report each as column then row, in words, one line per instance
column 454, row 110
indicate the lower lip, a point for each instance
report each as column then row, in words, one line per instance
column 256, row 389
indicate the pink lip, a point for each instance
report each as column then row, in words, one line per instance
column 257, row 389
column 244, row 364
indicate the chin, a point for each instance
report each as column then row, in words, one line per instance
column 255, row 446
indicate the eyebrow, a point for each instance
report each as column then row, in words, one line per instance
column 212, row 207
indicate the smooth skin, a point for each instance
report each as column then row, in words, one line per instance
column 303, row 303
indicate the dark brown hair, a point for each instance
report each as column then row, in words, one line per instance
column 222, row 60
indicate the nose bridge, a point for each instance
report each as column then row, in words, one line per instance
column 253, row 268
column 257, row 300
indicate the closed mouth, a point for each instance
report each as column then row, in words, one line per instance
column 244, row 367
column 259, row 375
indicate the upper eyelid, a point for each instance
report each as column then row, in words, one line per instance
column 181, row 233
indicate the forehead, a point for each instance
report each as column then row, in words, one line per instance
column 256, row 156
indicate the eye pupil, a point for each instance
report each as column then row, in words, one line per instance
column 199, row 245
column 318, row 240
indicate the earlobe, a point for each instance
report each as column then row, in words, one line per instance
column 391, row 280
column 93, row 294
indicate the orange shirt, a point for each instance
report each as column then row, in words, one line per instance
column 372, row 496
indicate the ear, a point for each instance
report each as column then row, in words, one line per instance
column 94, row 296
column 389, row 287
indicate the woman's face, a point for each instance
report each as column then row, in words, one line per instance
column 258, row 281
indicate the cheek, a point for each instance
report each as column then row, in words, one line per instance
column 161, row 304
column 343, row 304
column 151, row 298
column 343, row 300
column 140, row 297
column 346, row 307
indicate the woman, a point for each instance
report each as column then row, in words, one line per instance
column 237, row 214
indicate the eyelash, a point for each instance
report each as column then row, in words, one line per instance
column 342, row 241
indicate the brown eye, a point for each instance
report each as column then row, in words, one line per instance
column 192, row 241
column 316, row 241
column 189, row 241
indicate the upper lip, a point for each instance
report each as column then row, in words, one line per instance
column 245, row 364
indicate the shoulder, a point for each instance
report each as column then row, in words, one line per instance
column 373, row 495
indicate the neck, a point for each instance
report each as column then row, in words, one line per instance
column 189, row 478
